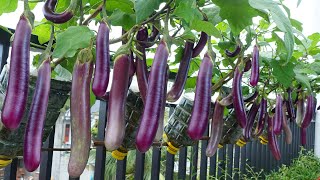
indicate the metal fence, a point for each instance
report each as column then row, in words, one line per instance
column 228, row 163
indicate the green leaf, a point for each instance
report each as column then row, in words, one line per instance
column 191, row 83
column 35, row 61
column 194, row 66
column 297, row 24
column 32, row 5
column 213, row 14
column 304, row 80
column 206, row 27
column 62, row 74
column 179, row 53
column 281, row 20
column 298, row 3
column 188, row 35
column 43, row 32
column 123, row 5
column 69, row 41
column 283, row 73
column 238, row 13
column 187, row 10
column 120, row 18
column 144, row 8
column 7, row 6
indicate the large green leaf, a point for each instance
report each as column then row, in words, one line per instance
column 213, row 14
column 206, row 27
column 238, row 13
column 187, row 10
column 69, row 41
column 43, row 32
column 144, row 8
column 120, row 18
column 304, row 80
column 281, row 20
column 124, row 5
column 7, row 6
column 283, row 73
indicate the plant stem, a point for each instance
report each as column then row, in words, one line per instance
column 157, row 14
column 93, row 15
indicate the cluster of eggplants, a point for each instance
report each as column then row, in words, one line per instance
column 17, row 90
column 102, row 64
column 80, row 113
column 202, row 101
column 58, row 18
column 150, row 118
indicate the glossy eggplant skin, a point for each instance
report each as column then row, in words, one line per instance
column 289, row 104
column 309, row 112
column 238, row 102
column 58, row 18
column 102, row 64
column 181, row 78
column 247, row 66
column 303, row 136
column 216, row 129
column 115, row 127
column 163, row 107
column 286, row 128
column 199, row 47
column 141, row 65
column 278, row 116
column 263, row 115
column 272, row 140
column 80, row 113
column 202, row 101
column 17, row 91
column 255, row 74
column 36, row 118
column 251, row 117
column 233, row 53
column 149, row 121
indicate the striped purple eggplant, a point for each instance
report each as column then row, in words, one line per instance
column 80, row 113
column 102, row 65
column 149, row 121
column 303, row 136
column 272, row 140
column 17, row 90
column 202, row 101
column 247, row 66
column 115, row 127
column 181, row 78
column 278, row 116
column 309, row 112
column 141, row 65
column 216, row 129
column 251, row 117
column 36, row 119
column 233, row 53
column 262, row 118
column 238, row 102
column 199, row 47
column 59, row 18
column 255, row 74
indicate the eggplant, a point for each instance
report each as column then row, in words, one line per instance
column 278, row 116
column 238, row 102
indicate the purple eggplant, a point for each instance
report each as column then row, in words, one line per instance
column 59, row 18
column 247, row 66
column 262, row 118
column 233, row 53
column 181, row 78
column 303, row 136
column 289, row 104
column 309, row 112
column 202, row 101
column 251, row 117
column 199, row 47
column 272, row 140
column 238, row 102
column 254, row 78
column 278, row 116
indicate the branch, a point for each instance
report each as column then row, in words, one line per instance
column 93, row 15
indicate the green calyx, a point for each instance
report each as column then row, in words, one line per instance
column 85, row 55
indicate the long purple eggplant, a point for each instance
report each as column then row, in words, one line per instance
column 163, row 107
column 202, row 101
column 262, row 117
column 59, row 18
column 303, row 136
column 300, row 112
column 272, row 140
column 149, row 121
column 216, row 129
column 254, row 77
column 36, row 119
column 289, row 104
column 80, row 113
column 251, row 117
column 286, row 128
column 199, row 47
column 247, row 66
column 233, row 53
column 238, row 99
column 102, row 65
column 309, row 112
column 181, row 78
column 278, row 116
column 115, row 127
column 141, row 66
column 17, row 91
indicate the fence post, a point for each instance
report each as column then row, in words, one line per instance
column 46, row 157
column 10, row 172
column 156, row 158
